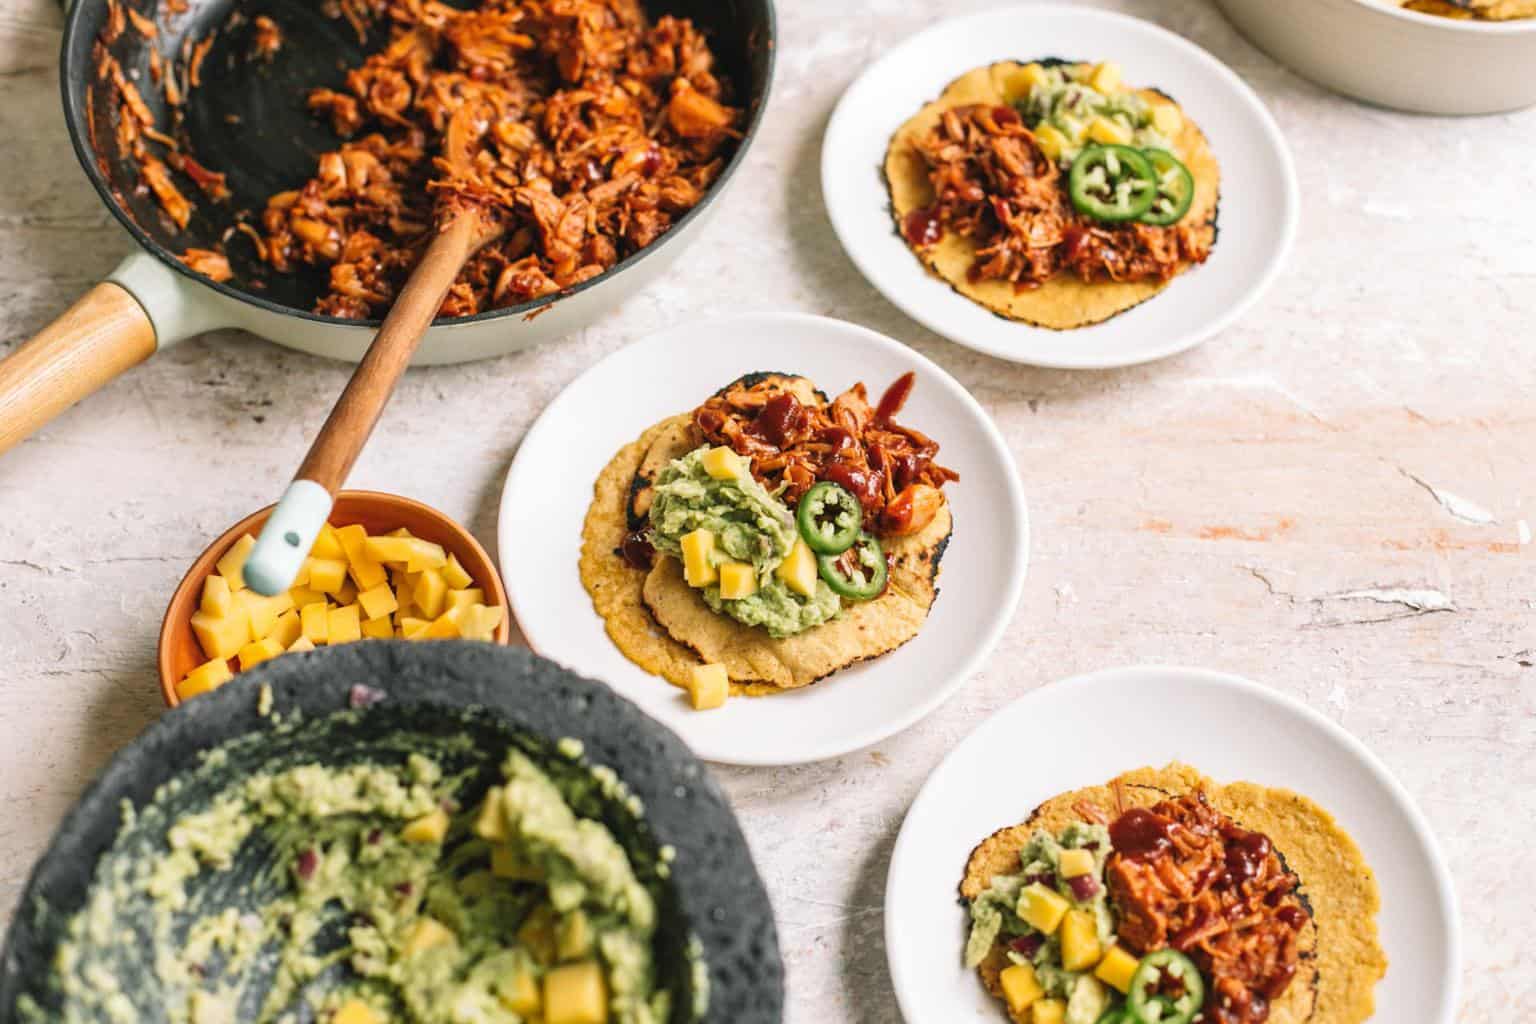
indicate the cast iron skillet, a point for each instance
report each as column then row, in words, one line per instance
column 499, row 697
column 248, row 119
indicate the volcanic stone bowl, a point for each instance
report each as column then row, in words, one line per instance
column 434, row 695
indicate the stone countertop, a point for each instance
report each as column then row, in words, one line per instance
column 1333, row 497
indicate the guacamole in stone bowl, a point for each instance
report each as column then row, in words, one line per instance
column 444, row 833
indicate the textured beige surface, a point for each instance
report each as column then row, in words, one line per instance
column 1334, row 496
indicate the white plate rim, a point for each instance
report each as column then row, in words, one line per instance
column 854, row 246
column 1011, row 482
column 1445, row 889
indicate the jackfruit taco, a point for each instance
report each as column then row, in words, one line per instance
column 769, row 537
column 1166, row 898
column 1051, row 192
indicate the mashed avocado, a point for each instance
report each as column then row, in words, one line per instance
column 374, row 889
column 1069, row 104
column 750, row 525
column 995, row 914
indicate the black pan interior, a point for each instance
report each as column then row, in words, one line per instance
column 436, row 692
column 248, row 119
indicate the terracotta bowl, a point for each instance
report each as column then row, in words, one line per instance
column 374, row 511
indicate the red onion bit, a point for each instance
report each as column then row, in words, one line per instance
column 305, row 866
column 1084, row 887
column 363, row 696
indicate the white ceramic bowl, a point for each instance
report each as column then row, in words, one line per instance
column 1376, row 51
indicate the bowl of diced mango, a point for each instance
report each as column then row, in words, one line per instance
column 384, row 567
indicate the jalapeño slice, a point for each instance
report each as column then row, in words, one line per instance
column 1166, row 989
column 1175, row 189
column 858, row 573
column 1112, row 183
column 830, row 518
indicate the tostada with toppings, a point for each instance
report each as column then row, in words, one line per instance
column 1166, row 898
column 1052, row 193
column 769, row 537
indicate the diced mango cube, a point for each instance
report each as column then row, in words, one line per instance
column 427, row 933
column 381, row 628
column 347, row 594
column 301, row 645
column 315, row 620
column 1075, row 862
column 390, row 550
column 1048, row 1011
column 217, row 597
column 1051, row 141
column 264, row 611
column 520, row 994
column 221, row 637
column 699, row 558
column 1042, row 908
column 425, row 555
column 287, row 629
column 1023, row 79
column 490, row 823
column 233, row 561
column 303, row 596
column 465, row 598
column 378, row 601
column 1079, row 941
column 737, row 580
column 210, row 675
column 301, row 578
column 708, row 686
column 576, row 994
column 355, row 1011
column 798, row 570
column 1167, row 120
column 327, row 574
column 724, row 464
column 1020, row 988
column 343, row 625
column 430, row 594
column 1116, row 968
column 480, row 622
column 445, row 626
column 327, row 545
column 411, row 628
column 366, row 571
column 429, row 828
column 573, row 939
column 1108, row 131
column 455, row 574
column 1106, row 77
column 258, row 651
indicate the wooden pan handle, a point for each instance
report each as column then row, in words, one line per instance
column 100, row 336
column 356, row 413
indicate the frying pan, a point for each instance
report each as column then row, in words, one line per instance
column 248, row 119
column 436, row 693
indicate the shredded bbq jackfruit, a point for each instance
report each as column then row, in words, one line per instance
column 994, row 186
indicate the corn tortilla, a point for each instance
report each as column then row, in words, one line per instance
column 1342, row 958
column 663, row 625
column 1065, row 301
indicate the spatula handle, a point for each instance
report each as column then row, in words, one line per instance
column 290, row 532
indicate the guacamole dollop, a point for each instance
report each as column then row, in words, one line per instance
column 995, row 914
column 1066, row 102
column 750, row 525
column 379, row 893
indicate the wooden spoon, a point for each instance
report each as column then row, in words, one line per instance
column 291, row 530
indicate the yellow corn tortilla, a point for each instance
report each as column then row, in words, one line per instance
column 1341, row 958
column 663, row 625
column 1065, row 301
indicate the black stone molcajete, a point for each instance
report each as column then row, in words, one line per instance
column 432, row 694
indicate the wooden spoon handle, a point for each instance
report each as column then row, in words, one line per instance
column 290, row 530
column 100, row 336
column 356, row 413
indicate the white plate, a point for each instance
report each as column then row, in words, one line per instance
column 1085, row 731
column 1259, row 194
column 549, row 489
